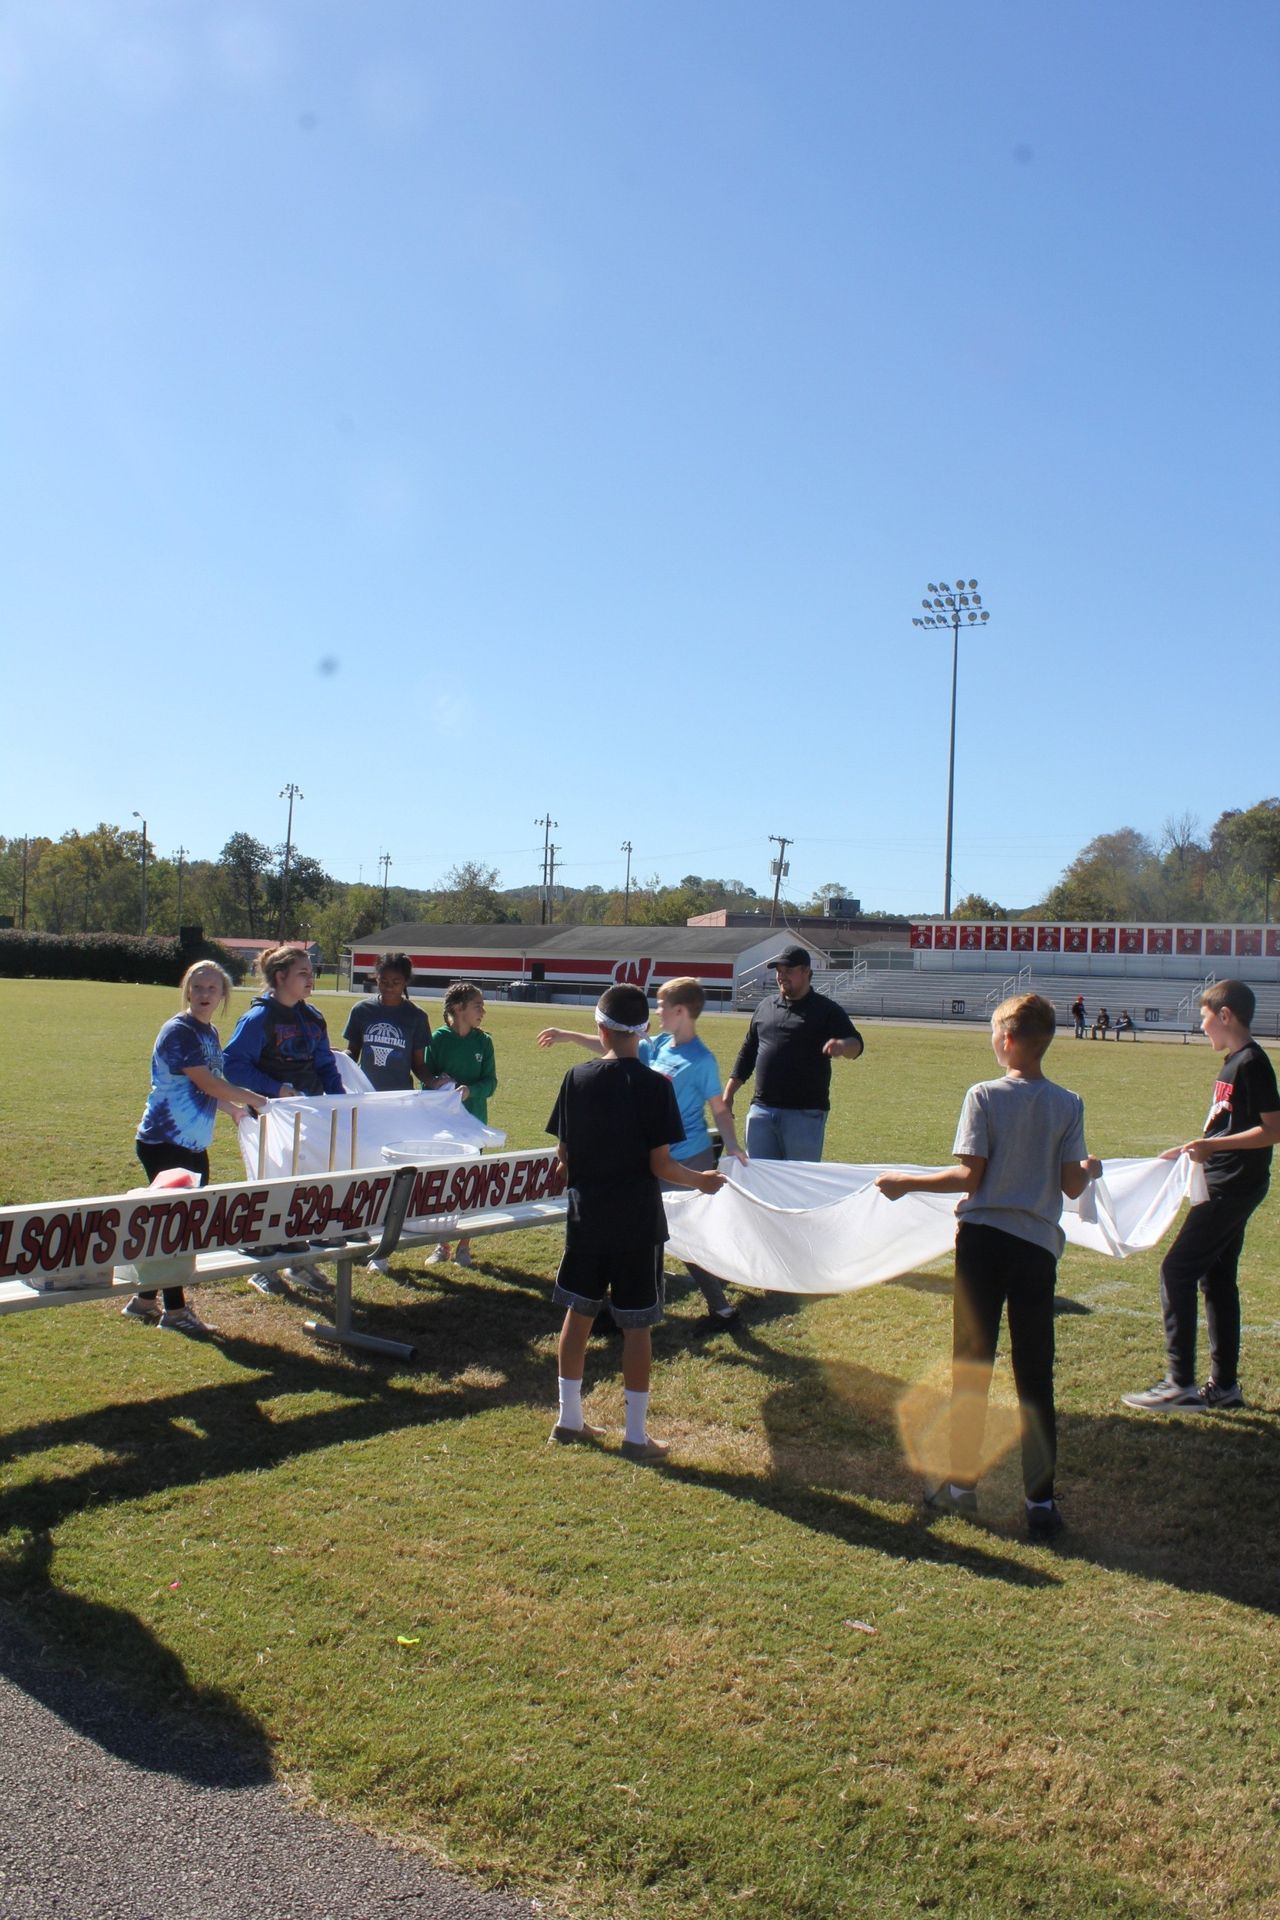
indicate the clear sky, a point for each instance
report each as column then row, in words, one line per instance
column 466, row 411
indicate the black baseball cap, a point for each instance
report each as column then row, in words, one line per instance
column 792, row 957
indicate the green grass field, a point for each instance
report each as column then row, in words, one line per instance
column 648, row 1694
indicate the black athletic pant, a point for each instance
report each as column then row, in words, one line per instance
column 1205, row 1255
column 158, row 1159
column 996, row 1271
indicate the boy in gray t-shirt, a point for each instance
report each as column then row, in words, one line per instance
column 1020, row 1144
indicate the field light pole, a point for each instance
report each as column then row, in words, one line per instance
column 626, row 848
column 180, row 856
column 384, row 861
column 289, row 793
column 142, row 921
column 954, row 607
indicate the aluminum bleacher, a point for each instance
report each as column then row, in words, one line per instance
column 970, row 994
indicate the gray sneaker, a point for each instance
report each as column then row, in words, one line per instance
column 1213, row 1397
column 139, row 1309
column 307, row 1279
column 265, row 1283
column 1166, row 1397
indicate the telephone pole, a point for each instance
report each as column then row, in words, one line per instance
column 384, row 861
column 780, row 868
column 546, row 823
column 289, row 793
column 626, row 848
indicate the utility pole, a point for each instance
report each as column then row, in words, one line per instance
column 384, row 861
column 180, row 856
column 779, row 868
column 552, row 851
column 22, row 916
column 546, row 823
column 289, row 793
column 142, row 920
column 626, row 897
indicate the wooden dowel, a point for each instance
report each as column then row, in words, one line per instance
column 297, row 1142
column 333, row 1140
column 355, row 1122
column 262, row 1145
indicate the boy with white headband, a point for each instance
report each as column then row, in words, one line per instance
column 616, row 1122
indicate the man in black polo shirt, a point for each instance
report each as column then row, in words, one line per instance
column 790, row 1044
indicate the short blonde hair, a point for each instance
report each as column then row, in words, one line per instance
column 207, row 966
column 684, row 992
column 1027, row 1017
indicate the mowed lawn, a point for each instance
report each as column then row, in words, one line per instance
column 760, row 1682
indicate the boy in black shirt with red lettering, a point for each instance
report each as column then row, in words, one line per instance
column 616, row 1121
column 1235, row 1149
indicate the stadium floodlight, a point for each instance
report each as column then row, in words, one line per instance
column 945, row 611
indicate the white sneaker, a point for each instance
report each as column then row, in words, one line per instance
column 374, row 1265
column 438, row 1254
column 462, row 1258
column 139, row 1309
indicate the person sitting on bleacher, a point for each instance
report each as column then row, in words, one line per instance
column 1125, row 1025
column 1101, row 1026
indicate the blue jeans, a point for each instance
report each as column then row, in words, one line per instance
column 784, row 1133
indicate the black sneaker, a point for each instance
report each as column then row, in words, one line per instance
column 717, row 1322
column 1213, row 1397
column 1044, row 1522
column 944, row 1498
column 1166, row 1397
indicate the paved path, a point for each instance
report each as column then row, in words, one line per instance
column 110, row 1813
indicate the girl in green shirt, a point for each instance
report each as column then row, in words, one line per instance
column 462, row 1051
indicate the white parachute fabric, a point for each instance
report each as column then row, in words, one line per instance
column 794, row 1226
column 435, row 1125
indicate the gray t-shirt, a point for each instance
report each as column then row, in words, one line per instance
column 388, row 1038
column 1025, row 1130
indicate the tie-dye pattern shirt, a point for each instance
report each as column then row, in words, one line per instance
column 177, row 1113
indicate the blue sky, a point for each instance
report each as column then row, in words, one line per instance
column 466, row 412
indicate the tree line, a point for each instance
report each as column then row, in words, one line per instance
column 1229, row 873
column 92, row 883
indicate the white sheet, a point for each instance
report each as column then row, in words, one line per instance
column 794, row 1226
column 436, row 1124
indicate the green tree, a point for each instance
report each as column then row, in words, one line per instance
column 468, row 897
column 1244, row 856
column 245, row 864
column 976, row 906
column 1115, row 877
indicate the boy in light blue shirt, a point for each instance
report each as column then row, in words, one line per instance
column 689, row 1064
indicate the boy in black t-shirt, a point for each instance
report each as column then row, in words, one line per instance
column 1235, row 1149
column 616, row 1121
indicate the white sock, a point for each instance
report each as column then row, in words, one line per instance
column 1046, row 1504
column 637, row 1407
column 571, row 1403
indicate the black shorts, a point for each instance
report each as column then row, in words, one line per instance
column 596, row 1265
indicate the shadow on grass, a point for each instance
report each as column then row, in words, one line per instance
column 175, row 1743
column 831, row 1427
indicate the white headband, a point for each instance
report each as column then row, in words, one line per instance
column 618, row 1026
